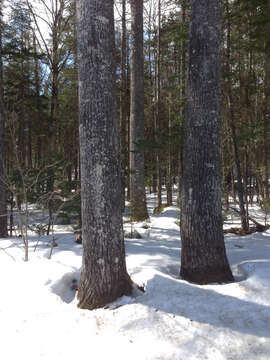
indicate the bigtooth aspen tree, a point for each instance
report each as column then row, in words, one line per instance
column 137, row 172
column 3, row 189
column 104, row 276
column 203, row 257
column 123, row 102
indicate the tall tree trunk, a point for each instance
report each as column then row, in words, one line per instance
column 157, row 114
column 52, row 131
column 266, row 119
column 153, row 175
column 37, row 105
column 128, row 119
column 169, row 160
column 21, row 140
column 54, row 90
column 182, row 81
column 29, row 145
column 77, row 120
column 123, row 101
column 137, row 177
column 104, row 276
column 3, row 187
column 203, row 257
column 243, row 215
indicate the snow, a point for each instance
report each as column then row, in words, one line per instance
column 172, row 320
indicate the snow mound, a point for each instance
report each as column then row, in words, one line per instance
column 66, row 286
column 256, row 273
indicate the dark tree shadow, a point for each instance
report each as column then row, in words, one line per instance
column 205, row 306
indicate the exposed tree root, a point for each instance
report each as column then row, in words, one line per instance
column 251, row 230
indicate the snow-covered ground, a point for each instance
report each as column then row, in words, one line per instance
column 172, row 320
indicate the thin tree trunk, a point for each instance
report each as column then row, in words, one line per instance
column 169, row 161
column 137, row 176
column 3, row 187
column 104, row 276
column 157, row 115
column 266, row 115
column 37, row 95
column 128, row 120
column 182, row 80
column 52, row 130
column 203, row 256
column 246, row 181
column 153, row 181
column 22, row 150
column 240, row 189
column 29, row 145
column 11, row 217
column 76, row 162
column 123, row 101
column 244, row 220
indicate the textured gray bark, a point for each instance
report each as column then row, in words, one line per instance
column 123, row 103
column 3, row 189
column 104, row 277
column 137, row 177
column 203, row 251
column 266, row 116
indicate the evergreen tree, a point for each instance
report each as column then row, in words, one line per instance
column 18, row 78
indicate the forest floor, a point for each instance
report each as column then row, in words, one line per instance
column 172, row 320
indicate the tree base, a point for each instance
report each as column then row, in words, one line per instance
column 138, row 213
column 159, row 209
column 207, row 275
column 94, row 300
column 139, row 217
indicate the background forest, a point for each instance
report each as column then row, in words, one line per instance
column 40, row 94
